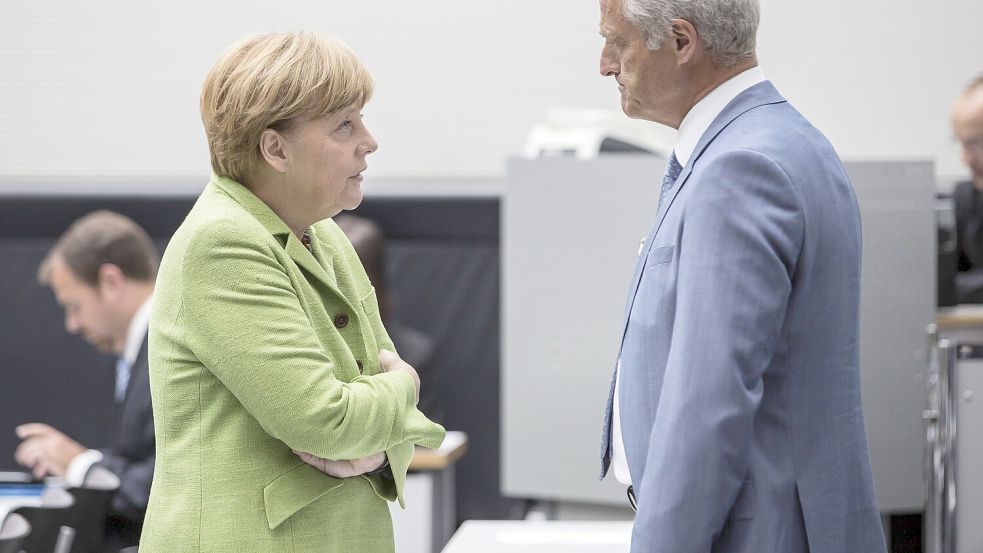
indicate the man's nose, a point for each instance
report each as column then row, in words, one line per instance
column 609, row 66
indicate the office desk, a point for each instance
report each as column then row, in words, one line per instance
column 517, row 536
column 11, row 502
column 961, row 322
column 431, row 514
column 14, row 494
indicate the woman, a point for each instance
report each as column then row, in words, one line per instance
column 268, row 359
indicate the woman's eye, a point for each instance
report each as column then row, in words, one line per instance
column 347, row 124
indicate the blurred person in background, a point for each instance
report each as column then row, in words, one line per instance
column 102, row 273
column 967, row 126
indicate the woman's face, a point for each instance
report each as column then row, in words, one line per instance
column 326, row 159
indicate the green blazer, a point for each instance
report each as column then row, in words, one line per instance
column 259, row 347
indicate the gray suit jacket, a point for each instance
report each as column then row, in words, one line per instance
column 740, row 391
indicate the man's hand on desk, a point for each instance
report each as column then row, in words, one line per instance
column 44, row 450
column 390, row 362
column 344, row 468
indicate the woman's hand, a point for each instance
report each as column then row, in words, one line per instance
column 345, row 468
column 390, row 362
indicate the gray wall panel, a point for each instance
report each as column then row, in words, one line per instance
column 570, row 237
column 897, row 302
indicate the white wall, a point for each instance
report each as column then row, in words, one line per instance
column 110, row 88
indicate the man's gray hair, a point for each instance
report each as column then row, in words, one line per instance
column 727, row 27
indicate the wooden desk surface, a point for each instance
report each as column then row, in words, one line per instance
column 454, row 446
column 960, row 316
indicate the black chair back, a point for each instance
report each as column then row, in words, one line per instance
column 88, row 515
column 46, row 520
column 88, row 518
column 12, row 533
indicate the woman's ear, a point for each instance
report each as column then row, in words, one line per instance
column 272, row 145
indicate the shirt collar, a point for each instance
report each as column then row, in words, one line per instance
column 137, row 331
column 699, row 118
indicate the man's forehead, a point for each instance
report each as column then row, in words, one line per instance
column 611, row 16
column 969, row 107
column 610, row 8
column 63, row 279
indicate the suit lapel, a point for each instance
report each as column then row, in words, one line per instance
column 309, row 264
column 761, row 94
column 138, row 370
column 647, row 247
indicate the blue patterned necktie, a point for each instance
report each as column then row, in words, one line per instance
column 122, row 378
column 673, row 168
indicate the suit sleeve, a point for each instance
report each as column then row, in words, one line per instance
column 135, row 475
column 741, row 239
column 245, row 323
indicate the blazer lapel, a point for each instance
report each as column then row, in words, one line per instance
column 306, row 261
column 761, row 94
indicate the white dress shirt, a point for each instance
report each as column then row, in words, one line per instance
column 696, row 122
column 135, row 333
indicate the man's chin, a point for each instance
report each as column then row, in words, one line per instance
column 627, row 107
column 103, row 347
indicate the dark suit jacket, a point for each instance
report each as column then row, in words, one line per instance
column 130, row 455
column 968, row 205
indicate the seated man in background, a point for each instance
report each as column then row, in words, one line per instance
column 102, row 272
column 967, row 125
column 413, row 346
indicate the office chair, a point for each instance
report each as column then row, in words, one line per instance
column 46, row 520
column 12, row 533
column 88, row 515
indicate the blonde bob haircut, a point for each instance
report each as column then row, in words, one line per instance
column 269, row 81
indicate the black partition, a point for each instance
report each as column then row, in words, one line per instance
column 442, row 272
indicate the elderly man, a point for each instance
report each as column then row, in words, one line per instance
column 102, row 273
column 967, row 125
column 735, row 412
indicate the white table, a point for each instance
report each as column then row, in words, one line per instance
column 431, row 514
column 10, row 502
column 519, row 536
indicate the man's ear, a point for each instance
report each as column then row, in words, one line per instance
column 111, row 280
column 685, row 40
column 272, row 145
